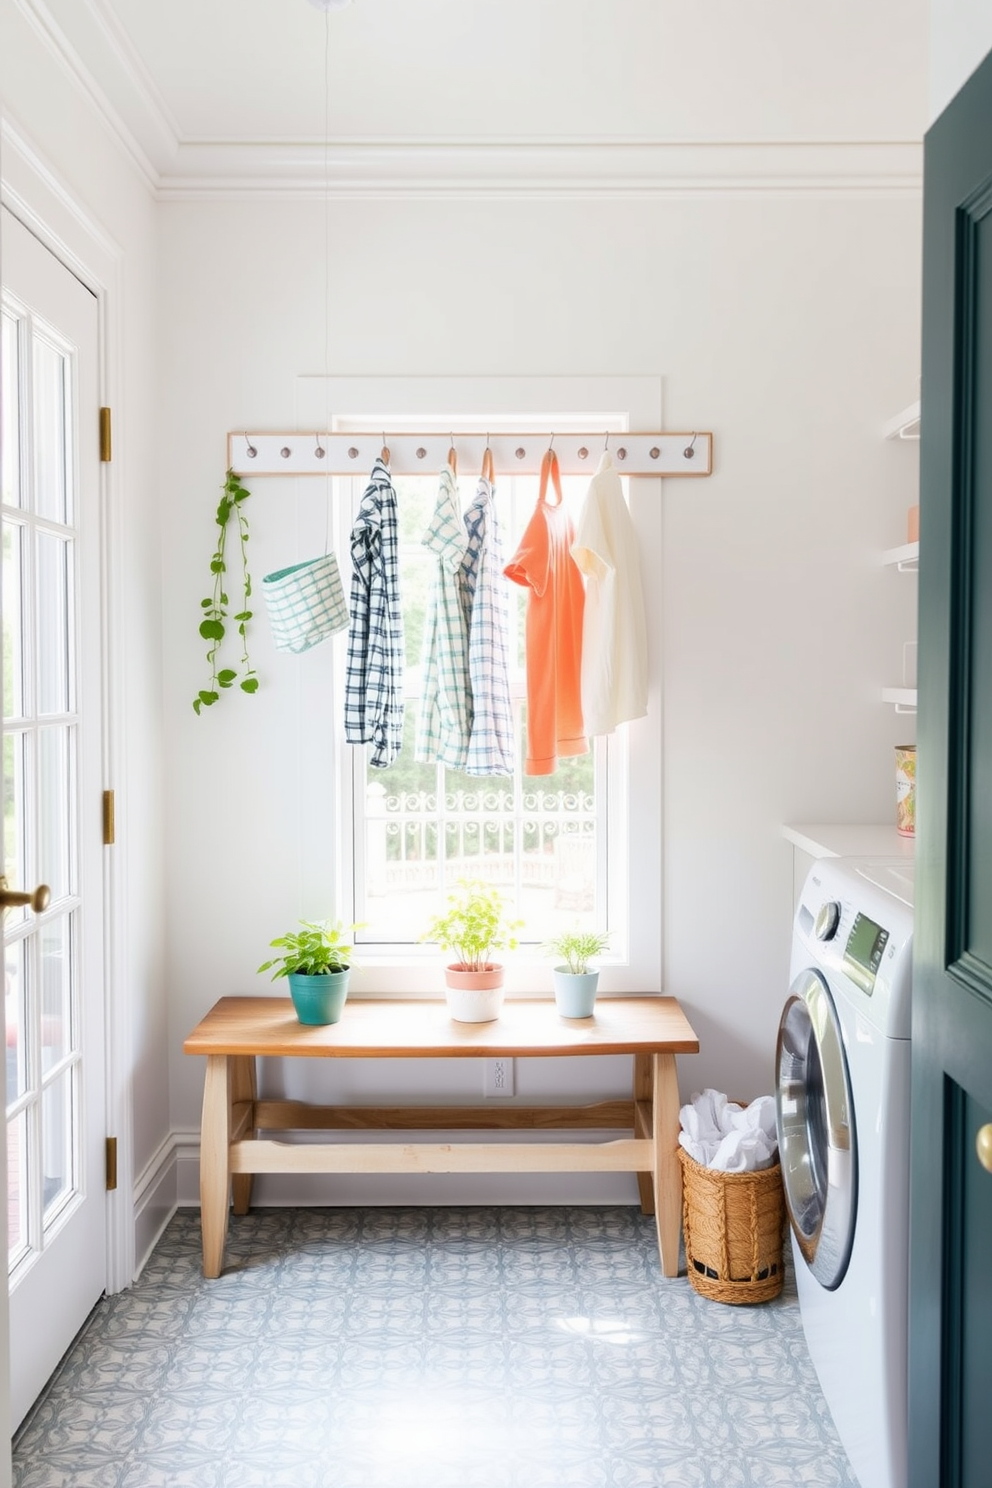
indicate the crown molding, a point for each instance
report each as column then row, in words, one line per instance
column 580, row 169
column 57, row 44
column 130, row 64
column 126, row 100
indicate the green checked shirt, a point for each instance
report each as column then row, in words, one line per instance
column 445, row 721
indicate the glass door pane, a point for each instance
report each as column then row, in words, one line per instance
column 56, row 1113
column 40, row 808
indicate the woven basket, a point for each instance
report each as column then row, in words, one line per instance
column 732, row 1225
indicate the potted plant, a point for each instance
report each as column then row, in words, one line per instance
column 317, row 963
column 474, row 926
column 576, row 981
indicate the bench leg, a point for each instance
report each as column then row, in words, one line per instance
column 215, row 1175
column 244, row 1088
column 643, row 1089
column 667, row 1168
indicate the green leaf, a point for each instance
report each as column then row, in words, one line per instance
column 250, row 684
column 224, row 511
column 226, row 677
column 224, row 599
column 207, row 698
column 211, row 630
column 206, row 604
column 197, row 705
column 217, row 565
column 243, row 615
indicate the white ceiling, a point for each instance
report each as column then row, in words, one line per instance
column 186, row 79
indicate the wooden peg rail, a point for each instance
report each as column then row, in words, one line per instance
column 660, row 454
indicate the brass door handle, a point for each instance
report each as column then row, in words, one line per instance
column 983, row 1146
column 39, row 900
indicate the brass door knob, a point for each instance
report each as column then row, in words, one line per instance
column 983, row 1146
column 39, row 900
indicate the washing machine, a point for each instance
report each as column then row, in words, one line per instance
column 842, row 1097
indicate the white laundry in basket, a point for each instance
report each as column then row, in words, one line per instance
column 728, row 1137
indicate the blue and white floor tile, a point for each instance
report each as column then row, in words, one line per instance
column 431, row 1348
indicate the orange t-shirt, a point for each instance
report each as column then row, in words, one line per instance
column 543, row 563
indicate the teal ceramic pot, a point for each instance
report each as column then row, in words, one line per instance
column 575, row 996
column 319, row 999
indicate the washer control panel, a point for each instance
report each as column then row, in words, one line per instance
column 827, row 920
column 859, row 934
column 863, row 952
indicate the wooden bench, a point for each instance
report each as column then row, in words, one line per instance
column 237, row 1030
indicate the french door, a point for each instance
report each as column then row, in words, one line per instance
column 52, row 769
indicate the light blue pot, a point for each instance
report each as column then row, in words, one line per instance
column 319, row 999
column 575, row 996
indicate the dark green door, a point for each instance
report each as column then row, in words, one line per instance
column 951, row 1196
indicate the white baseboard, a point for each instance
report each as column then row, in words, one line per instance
column 155, row 1198
column 383, row 1190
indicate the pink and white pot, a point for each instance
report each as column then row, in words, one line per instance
column 474, row 996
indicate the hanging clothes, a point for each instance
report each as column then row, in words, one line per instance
column 614, row 632
column 484, row 594
column 543, row 563
column 373, row 707
column 446, row 702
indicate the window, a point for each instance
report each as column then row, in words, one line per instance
column 421, row 827
column 418, row 828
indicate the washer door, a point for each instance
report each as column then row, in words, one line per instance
column 816, row 1134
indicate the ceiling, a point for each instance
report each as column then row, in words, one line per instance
column 204, row 87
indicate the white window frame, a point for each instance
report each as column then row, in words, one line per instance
column 635, row 846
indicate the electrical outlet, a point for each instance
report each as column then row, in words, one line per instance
column 498, row 1078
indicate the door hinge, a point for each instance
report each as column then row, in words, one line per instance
column 106, row 443
column 111, row 1163
column 109, row 823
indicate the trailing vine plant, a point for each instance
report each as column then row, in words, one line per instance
column 213, row 626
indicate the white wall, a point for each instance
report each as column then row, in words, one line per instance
column 785, row 315
column 960, row 36
column 86, row 188
column 789, row 326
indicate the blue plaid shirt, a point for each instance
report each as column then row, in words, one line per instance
column 373, row 704
column 490, row 748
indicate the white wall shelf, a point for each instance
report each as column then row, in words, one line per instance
column 848, row 841
column 905, row 425
column 903, row 699
column 906, row 558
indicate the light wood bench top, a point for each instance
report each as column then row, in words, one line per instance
column 379, row 1029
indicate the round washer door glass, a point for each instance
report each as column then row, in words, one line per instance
column 816, row 1135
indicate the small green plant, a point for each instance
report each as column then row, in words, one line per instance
column 316, row 950
column 475, row 925
column 213, row 626
column 577, row 948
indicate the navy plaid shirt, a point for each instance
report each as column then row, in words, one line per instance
column 373, row 704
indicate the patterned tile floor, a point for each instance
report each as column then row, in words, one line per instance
column 430, row 1348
